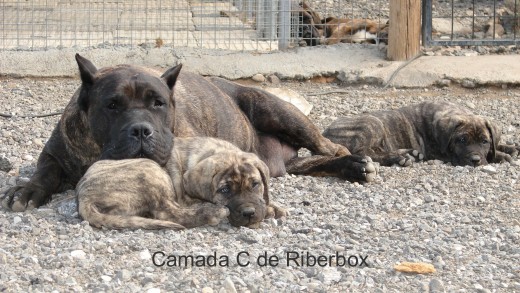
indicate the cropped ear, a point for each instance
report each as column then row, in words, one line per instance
column 495, row 133
column 170, row 75
column 264, row 173
column 198, row 180
column 443, row 130
column 87, row 71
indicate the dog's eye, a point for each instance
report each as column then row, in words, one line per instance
column 224, row 189
column 158, row 103
column 255, row 184
column 461, row 139
column 485, row 141
column 112, row 106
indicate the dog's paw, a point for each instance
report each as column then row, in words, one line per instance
column 406, row 158
column 274, row 211
column 220, row 213
column 501, row 157
column 358, row 168
column 21, row 198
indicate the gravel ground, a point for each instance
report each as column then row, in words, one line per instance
column 463, row 220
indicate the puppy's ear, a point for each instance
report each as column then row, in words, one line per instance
column 87, row 71
column 170, row 75
column 495, row 133
column 264, row 173
column 444, row 130
column 198, row 180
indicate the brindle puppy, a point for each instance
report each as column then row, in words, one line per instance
column 205, row 180
column 127, row 111
column 429, row 130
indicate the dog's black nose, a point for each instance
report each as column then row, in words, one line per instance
column 248, row 212
column 141, row 130
column 475, row 159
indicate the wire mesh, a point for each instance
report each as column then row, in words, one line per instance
column 471, row 22
column 258, row 25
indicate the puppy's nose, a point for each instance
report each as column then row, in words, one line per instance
column 248, row 212
column 140, row 131
column 475, row 159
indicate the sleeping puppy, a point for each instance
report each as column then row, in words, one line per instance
column 429, row 130
column 205, row 181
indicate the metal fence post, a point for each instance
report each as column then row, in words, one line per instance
column 285, row 24
column 426, row 22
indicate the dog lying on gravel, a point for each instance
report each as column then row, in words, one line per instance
column 205, row 181
column 429, row 130
column 126, row 111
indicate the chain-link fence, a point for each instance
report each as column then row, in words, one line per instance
column 471, row 22
column 260, row 25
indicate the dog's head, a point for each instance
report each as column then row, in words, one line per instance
column 467, row 139
column 237, row 180
column 129, row 110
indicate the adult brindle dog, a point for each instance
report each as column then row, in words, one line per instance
column 127, row 112
column 429, row 130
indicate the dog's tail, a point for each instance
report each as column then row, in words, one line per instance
column 90, row 212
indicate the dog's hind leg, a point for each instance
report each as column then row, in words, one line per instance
column 271, row 115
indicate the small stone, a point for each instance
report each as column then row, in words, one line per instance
column 153, row 290
column 258, row 78
column 106, row 278
column 207, row 290
column 489, row 169
column 436, row 286
column 470, row 105
column 229, row 286
column 5, row 165
column 145, row 254
column 329, row 276
column 444, row 82
column 273, row 79
column 478, row 286
column 38, row 142
column 465, row 220
column 468, row 84
column 123, row 275
column 17, row 220
column 70, row 281
column 78, row 254
column 429, row 198
column 28, row 158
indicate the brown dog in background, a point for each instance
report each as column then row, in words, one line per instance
column 331, row 30
column 205, row 181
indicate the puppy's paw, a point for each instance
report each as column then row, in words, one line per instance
column 220, row 213
column 274, row 211
column 406, row 158
column 371, row 169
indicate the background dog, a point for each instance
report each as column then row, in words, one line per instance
column 205, row 180
column 429, row 130
column 331, row 30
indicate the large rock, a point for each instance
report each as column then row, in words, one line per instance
column 293, row 98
